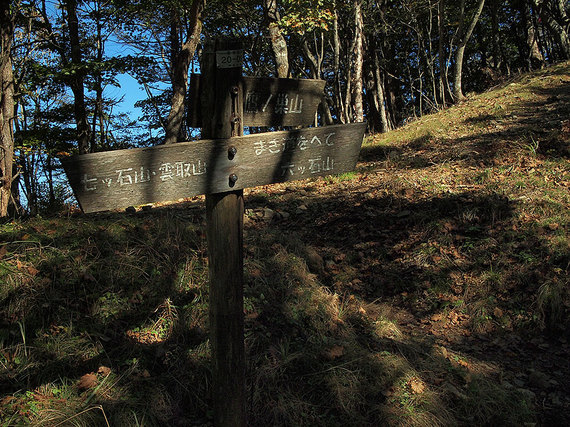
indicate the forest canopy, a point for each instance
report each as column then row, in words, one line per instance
column 384, row 61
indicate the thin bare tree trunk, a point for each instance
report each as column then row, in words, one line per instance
column 6, row 107
column 496, row 49
column 180, row 72
column 340, row 106
column 315, row 62
column 379, row 99
column 559, row 30
column 357, row 85
column 98, row 111
column 460, row 52
column 443, row 82
column 430, row 57
column 76, row 81
column 347, row 98
column 278, row 43
column 327, row 117
column 534, row 56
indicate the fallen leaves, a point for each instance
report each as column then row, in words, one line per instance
column 335, row 352
column 87, row 381
column 91, row 380
column 32, row 271
column 104, row 370
column 417, row 385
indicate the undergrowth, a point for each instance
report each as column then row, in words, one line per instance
column 409, row 292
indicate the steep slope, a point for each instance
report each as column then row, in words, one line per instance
column 429, row 287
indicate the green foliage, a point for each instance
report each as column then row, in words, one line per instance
column 305, row 16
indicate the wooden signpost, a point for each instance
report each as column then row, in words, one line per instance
column 268, row 101
column 221, row 166
column 222, row 101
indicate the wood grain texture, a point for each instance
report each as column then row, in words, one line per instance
column 224, row 229
column 224, row 219
column 117, row 179
column 122, row 178
column 268, row 101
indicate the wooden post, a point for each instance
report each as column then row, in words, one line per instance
column 228, row 161
column 220, row 168
column 222, row 109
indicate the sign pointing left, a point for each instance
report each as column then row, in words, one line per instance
column 122, row 178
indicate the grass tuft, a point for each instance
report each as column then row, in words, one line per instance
column 413, row 291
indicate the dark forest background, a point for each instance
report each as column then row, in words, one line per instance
column 386, row 62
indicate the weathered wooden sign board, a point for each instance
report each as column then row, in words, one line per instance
column 281, row 102
column 269, row 101
column 122, row 178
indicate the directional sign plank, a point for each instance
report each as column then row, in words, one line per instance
column 122, row 178
column 269, row 101
column 281, row 102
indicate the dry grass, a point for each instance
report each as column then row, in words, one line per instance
column 411, row 292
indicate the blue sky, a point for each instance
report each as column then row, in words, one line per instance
column 131, row 92
column 129, row 89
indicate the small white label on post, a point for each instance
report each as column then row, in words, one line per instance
column 229, row 58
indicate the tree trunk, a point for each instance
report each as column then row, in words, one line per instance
column 496, row 49
column 430, row 57
column 392, row 92
column 6, row 107
column 30, row 185
column 278, row 43
column 340, row 106
column 98, row 110
column 76, row 80
column 558, row 30
column 357, row 86
column 315, row 64
column 457, row 89
column 534, row 56
column 379, row 99
column 325, row 108
column 315, row 60
column 180, row 73
column 443, row 81
column 15, row 208
column 49, row 173
column 20, row 163
column 460, row 52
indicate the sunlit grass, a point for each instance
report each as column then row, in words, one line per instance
column 458, row 221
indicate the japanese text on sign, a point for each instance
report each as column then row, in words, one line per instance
column 276, row 145
column 282, row 103
column 166, row 172
column 121, row 178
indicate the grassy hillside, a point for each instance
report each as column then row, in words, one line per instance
column 429, row 287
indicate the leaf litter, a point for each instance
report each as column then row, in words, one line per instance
column 430, row 286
